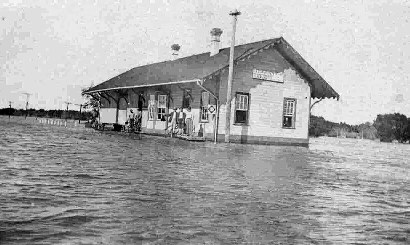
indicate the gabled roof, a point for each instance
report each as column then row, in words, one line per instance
column 199, row 66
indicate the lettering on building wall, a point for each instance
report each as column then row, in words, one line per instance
column 267, row 76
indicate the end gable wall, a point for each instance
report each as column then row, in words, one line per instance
column 266, row 97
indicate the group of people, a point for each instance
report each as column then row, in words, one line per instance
column 133, row 123
column 181, row 122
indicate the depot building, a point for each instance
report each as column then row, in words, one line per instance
column 272, row 90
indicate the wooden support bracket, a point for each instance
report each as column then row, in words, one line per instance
column 314, row 103
column 104, row 95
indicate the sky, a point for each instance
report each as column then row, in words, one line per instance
column 54, row 48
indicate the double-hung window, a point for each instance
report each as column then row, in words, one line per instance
column 289, row 113
column 242, row 108
column 162, row 107
column 204, row 106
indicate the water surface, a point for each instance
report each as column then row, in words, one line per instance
column 76, row 186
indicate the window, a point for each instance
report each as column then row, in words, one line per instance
column 204, row 106
column 289, row 113
column 162, row 107
column 241, row 108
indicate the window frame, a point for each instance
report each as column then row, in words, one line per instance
column 248, row 95
column 165, row 107
column 202, row 108
column 293, row 126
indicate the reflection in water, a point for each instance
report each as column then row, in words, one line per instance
column 71, row 185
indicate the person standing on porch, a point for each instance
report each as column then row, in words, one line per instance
column 140, row 104
column 173, row 121
column 181, row 121
column 138, row 121
column 131, row 120
column 141, row 101
column 189, row 122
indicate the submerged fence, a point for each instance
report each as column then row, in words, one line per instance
column 61, row 122
column 47, row 122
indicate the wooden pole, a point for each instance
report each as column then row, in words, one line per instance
column 234, row 15
column 79, row 118
column 67, row 103
column 27, row 97
column 216, row 122
column 10, row 109
column 117, row 111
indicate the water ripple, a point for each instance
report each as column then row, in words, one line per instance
column 76, row 186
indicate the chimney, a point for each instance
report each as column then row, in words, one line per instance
column 215, row 40
column 175, row 51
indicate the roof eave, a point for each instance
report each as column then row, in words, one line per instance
column 309, row 73
column 90, row 91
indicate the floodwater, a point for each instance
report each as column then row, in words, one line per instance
column 75, row 186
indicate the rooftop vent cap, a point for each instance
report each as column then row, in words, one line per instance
column 215, row 40
column 175, row 50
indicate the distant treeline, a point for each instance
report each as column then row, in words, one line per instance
column 386, row 127
column 63, row 114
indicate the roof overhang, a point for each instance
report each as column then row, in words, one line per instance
column 91, row 91
column 198, row 67
column 320, row 88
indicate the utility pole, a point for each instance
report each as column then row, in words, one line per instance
column 79, row 118
column 10, row 109
column 27, row 98
column 234, row 15
column 67, row 103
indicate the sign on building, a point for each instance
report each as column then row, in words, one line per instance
column 212, row 109
column 267, row 75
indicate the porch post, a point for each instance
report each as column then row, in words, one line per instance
column 216, row 119
column 118, row 108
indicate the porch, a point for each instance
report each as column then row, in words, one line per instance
column 157, row 103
